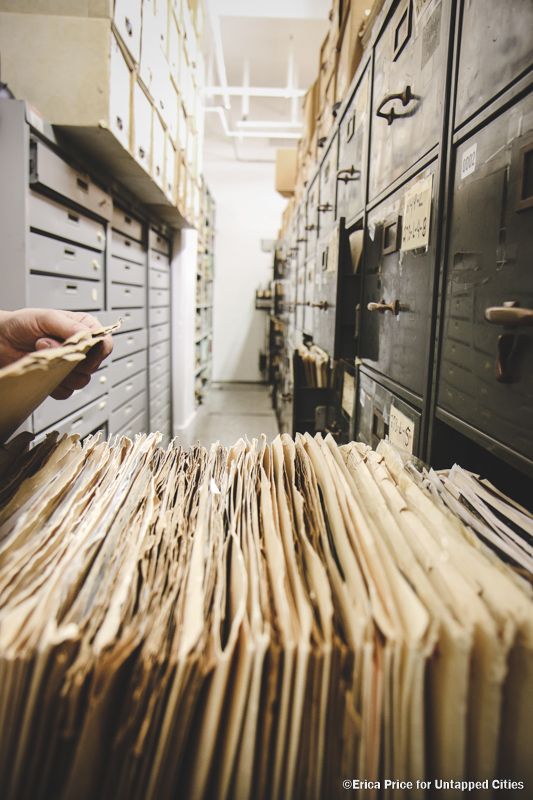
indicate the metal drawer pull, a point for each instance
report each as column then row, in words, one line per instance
column 509, row 315
column 103, row 379
column 310, row 227
column 382, row 307
column 102, row 404
column 120, row 124
column 325, row 207
column 350, row 174
column 71, row 287
column 142, row 152
column 73, row 217
column 129, row 26
column 96, row 264
column 69, row 252
column 83, row 185
column 405, row 97
column 323, row 304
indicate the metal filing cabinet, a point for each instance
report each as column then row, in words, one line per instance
column 486, row 371
column 353, row 145
column 159, row 332
column 301, row 252
column 381, row 413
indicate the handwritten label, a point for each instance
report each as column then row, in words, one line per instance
column 468, row 161
column 417, row 215
column 348, row 393
column 401, row 430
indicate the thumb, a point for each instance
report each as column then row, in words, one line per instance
column 44, row 344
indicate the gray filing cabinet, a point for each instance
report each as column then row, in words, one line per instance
column 68, row 243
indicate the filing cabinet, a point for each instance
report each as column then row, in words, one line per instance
column 124, row 391
column 60, row 220
column 310, row 282
column 312, row 216
column 159, row 331
column 67, row 293
column 380, row 413
column 56, row 257
column 486, row 370
column 324, row 303
column 353, row 144
column 86, row 420
column 408, row 90
column 52, row 411
column 327, row 190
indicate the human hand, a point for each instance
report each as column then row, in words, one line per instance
column 30, row 329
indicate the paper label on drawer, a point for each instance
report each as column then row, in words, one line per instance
column 348, row 393
column 401, row 430
column 417, row 215
column 468, row 161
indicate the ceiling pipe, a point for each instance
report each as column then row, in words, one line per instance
column 214, row 22
column 255, row 91
column 252, row 123
column 249, row 134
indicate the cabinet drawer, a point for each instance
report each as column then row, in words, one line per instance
column 159, row 333
column 311, row 218
column 158, row 151
column 127, row 19
column 158, row 315
column 51, row 217
column 124, row 247
column 158, row 402
column 171, row 176
column 408, row 91
column 159, row 279
column 380, row 413
column 49, row 171
column 132, row 318
column 156, row 241
column 137, row 425
column 124, row 391
column 119, row 95
column 142, row 127
column 327, row 190
column 123, row 221
column 123, row 296
column 120, row 418
column 158, row 297
column 159, row 368
column 162, row 421
column 157, row 260
column 395, row 342
column 121, row 271
column 501, row 29
column 158, row 351
column 62, row 258
column 130, row 342
column 486, row 370
column 353, row 145
column 159, row 384
column 66, row 293
column 84, row 421
column 125, row 367
column 52, row 410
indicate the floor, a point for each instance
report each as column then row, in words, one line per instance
column 232, row 411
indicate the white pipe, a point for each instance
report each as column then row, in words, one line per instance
column 254, row 91
column 214, row 21
column 247, row 134
column 252, row 123
column 245, row 108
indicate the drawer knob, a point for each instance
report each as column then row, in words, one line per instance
column 383, row 307
column 129, row 26
column 325, row 207
column 120, row 124
column 96, row 264
column 142, row 152
column 509, row 314
column 103, row 379
column 404, row 97
column 102, row 404
column 350, row 174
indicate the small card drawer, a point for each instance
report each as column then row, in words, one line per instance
column 127, row 366
column 67, row 293
column 158, row 315
column 158, row 351
column 161, row 421
column 126, row 343
column 159, row 279
column 160, row 401
column 137, row 425
column 50, row 217
column 159, row 368
column 126, row 224
column 160, row 384
column 62, row 258
column 56, row 410
column 85, row 420
column 158, row 297
column 123, row 296
column 121, row 271
column 124, row 391
column 159, row 333
column 158, row 260
column 121, row 416
column 124, row 247
column 158, row 242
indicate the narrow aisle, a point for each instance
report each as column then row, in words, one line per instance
column 232, row 411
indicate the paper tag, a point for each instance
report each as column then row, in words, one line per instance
column 468, row 161
column 417, row 215
column 401, row 430
column 348, row 393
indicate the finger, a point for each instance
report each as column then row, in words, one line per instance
column 75, row 380
column 45, row 344
column 96, row 355
column 88, row 320
column 61, row 393
column 60, row 324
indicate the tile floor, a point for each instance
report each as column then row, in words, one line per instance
column 232, row 411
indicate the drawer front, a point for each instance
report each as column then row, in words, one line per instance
column 124, row 247
column 327, row 190
column 300, row 297
column 85, row 420
column 505, row 33
column 120, row 417
column 159, row 333
column 51, row 217
column 66, row 293
column 312, row 218
column 160, row 384
column 124, row 391
column 159, row 315
column 486, row 371
column 353, row 146
column 159, row 368
column 157, row 260
column 310, row 277
column 130, row 342
column 53, row 410
column 127, row 19
column 159, row 402
column 142, row 127
column 119, row 95
column 124, row 368
column 324, row 303
column 158, row 242
column 137, row 425
column 159, row 279
column 123, row 221
column 121, row 271
column 123, row 296
column 62, row 258
column 380, row 413
column 408, row 92
column 158, row 151
column 158, row 351
column 132, row 318
column 158, row 297
column 162, row 422
column 396, row 344
column 49, row 171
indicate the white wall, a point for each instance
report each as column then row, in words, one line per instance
column 248, row 209
column 183, row 299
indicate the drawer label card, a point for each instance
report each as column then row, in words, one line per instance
column 468, row 161
column 348, row 393
column 401, row 430
column 417, row 215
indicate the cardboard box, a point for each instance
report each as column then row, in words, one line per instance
column 286, row 170
column 310, row 113
column 350, row 46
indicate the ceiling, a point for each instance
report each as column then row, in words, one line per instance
column 270, row 47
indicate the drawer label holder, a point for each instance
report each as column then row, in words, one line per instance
column 417, row 215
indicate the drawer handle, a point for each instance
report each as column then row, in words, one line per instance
column 102, row 404
column 127, row 291
column 127, row 219
column 127, row 243
column 96, row 264
column 350, row 174
column 509, row 314
column 76, row 422
column 129, row 26
column 73, row 217
column 83, row 185
column 69, row 252
column 324, row 207
column 71, row 288
column 103, row 379
column 127, row 266
column 130, row 339
column 142, row 152
column 120, row 124
column 129, row 364
column 405, row 98
column 383, row 307
column 310, row 227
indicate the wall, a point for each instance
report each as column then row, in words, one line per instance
column 247, row 210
